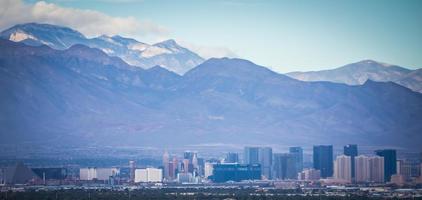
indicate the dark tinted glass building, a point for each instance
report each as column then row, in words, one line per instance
column 297, row 153
column 352, row 151
column 235, row 172
column 188, row 155
column 390, row 162
column 51, row 173
column 232, row 157
column 323, row 159
column 284, row 166
column 266, row 161
column 251, row 155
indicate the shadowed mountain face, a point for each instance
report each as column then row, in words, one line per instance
column 167, row 54
column 81, row 95
column 358, row 73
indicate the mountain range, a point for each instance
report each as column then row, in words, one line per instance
column 81, row 95
column 167, row 54
column 358, row 73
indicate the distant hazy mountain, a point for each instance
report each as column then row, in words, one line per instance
column 167, row 54
column 82, row 96
column 358, row 73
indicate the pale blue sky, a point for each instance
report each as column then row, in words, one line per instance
column 284, row 35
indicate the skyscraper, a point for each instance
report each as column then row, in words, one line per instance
column 266, row 161
column 201, row 166
column 362, row 171
column 390, row 162
column 323, row 159
column 132, row 167
column 166, row 160
column 188, row 155
column 352, row 151
column 251, row 155
column 186, row 165
column 376, row 169
column 343, row 168
column 209, row 167
column 284, row 166
column 297, row 153
column 195, row 161
column 175, row 167
column 232, row 158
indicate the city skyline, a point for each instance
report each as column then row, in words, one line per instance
column 210, row 99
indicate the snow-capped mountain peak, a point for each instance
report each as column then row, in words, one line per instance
column 170, row 45
column 359, row 72
column 167, row 54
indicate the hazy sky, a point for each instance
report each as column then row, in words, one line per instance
column 283, row 35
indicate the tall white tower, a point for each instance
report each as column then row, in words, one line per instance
column 362, row 170
column 376, row 166
column 343, row 168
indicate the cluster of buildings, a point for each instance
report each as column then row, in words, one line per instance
column 255, row 163
column 260, row 163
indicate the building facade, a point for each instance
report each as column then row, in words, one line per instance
column 284, row 166
column 323, row 159
column 390, row 162
column 362, row 170
column 266, row 161
column 251, row 155
column 376, row 169
column 232, row 157
column 343, row 168
column 352, row 151
column 235, row 172
column 297, row 153
column 148, row 175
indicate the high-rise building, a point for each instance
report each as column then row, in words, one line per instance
column 409, row 168
column 87, row 174
column 362, row 170
column 266, row 161
column 284, row 166
column 376, row 169
column 209, row 167
column 232, row 158
column 195, row 161
column 251, row 155
column 175, row 167
column 141, row 175
column 93, row 173
column 323, row 159
column 188, row 155
column 166, row 160
column 186, row 166
column 155, row 175
column 390, row 162
column 132, row 167
column 297, row 153
column 235, row 172
column 343, row 168
column 148, row 175
column 201, row 166
column 352, row 151
column 172, row 170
